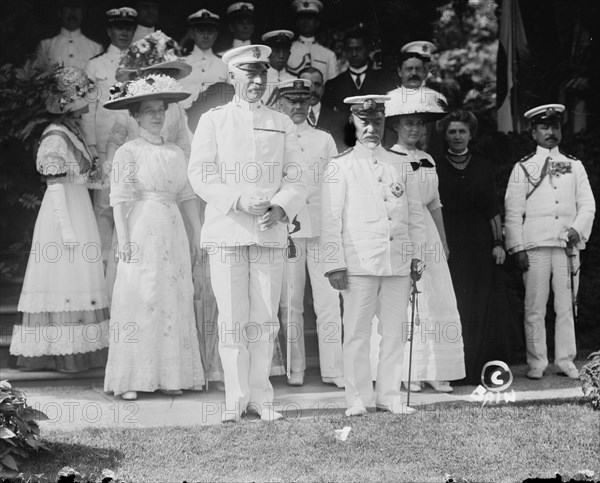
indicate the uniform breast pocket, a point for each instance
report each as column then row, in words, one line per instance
column 268, row 143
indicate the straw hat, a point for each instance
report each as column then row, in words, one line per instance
column 152, row 87
column 71, row 90
column 424, row 101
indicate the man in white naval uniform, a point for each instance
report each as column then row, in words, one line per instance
column 207, row 68
column 98, row 122
column 306, row 51
column 70, row 47
column 280, row 42
column 240, row 22
column 147, row 18
column 318, row 147
column 246, row 165
column 550, row 210
column 372, row 231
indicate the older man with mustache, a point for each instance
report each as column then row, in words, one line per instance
column 550, row 210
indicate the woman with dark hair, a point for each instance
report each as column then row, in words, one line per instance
column 474, row 236
column 155, row 346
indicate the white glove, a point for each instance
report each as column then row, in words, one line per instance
column 252, row 204
column 56, row 193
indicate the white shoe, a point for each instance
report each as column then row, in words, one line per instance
column 569, row 370
column 336, row 381
column 270, row 416
column 357, row 409
column 534, row 373
column 230, row 417
column 415, row 386
column 296, row 379
column 396, row 409
column 129, row 396
column 440, row 386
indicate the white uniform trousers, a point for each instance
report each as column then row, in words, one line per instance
column 549, row 265
column 365, row 297
column 246, row 281
column 326, row 305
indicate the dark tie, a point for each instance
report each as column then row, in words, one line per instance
column 422, row 162
column 312, row 120
column 357, row 80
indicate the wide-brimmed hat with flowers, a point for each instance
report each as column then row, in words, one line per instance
column 429, row 104
column 149, row 88
column 70, row 90
column 155, row 51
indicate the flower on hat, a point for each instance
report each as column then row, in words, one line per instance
column 71, row 84
column 150, row 50
column 151, row 84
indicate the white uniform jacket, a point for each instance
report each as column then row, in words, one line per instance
column 72, row 49
column 539, row 216
column 318, row 147
column 246, row 148
column 207, row 69
column 306, row 52
column 371, row 218
column 97, row 123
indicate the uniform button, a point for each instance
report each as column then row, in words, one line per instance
column 391, row 238
column 307, row 202
column 374, row 161
column 555, row 187
column 556, row 201
column 70, row 55
column 385, row 199
column 389, row 218
column 556, row 217
column 379, row 179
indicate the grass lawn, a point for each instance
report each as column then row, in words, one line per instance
column 497, row 443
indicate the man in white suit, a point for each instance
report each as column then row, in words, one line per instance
column 550, row 210
column 246, row 165
column 318, row 147
column 372, row 231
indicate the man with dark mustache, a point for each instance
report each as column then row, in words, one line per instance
column 550, row 210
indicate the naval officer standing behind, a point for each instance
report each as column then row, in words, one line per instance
column 246, row 165
column 550, row 210
column 372, row 231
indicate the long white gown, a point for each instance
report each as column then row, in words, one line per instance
column 63, row 300
column 155, row 344
column 438, row 353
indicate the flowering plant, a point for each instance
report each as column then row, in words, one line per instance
column 150, row 50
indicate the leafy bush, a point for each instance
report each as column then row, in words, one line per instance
column 19, row 430
column 590, row 379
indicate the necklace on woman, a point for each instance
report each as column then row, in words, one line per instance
column 459, row 161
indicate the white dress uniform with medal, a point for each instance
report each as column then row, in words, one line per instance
column 548, row 193
column 238, row 149
column 372, row 226
column 306, row 51
column 317, row 147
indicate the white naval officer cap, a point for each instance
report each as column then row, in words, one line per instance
column 307, row 6
column 247, row 54
column 418, row 48
column 546, row 113
column 122, row 15
column 293, row 89
column 275, row 37
column 367, row 107
column 240, row 9
column 203, row 17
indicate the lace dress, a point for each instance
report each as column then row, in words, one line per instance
column 154, row 344
column 437, row 345
column 63, row 300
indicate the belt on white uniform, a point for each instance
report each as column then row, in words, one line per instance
column 158, row 196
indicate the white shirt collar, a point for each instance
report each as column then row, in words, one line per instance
column 114, row 50
column 303, row 126
column 70, row 34
column 547, row 152
column 204, row 53
column 306, row 40
column 359, row 71
column 239, row 43
column 316, row 109
column 362, row 150
column 245, row 105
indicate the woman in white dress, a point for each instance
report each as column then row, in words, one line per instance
column 437, row 344
column 155, row 346
column 64, row 300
